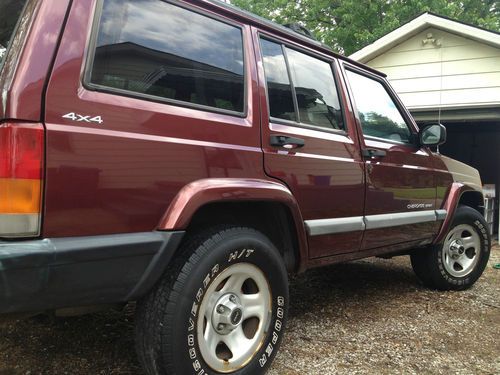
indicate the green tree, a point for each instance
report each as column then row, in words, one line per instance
column 349, row 25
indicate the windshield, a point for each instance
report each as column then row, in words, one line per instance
column 10, row 11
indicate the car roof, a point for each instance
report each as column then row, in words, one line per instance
column 248, row 17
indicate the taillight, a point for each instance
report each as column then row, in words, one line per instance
column 21, row 167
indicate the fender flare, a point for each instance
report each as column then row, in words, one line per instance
column 457, row 189
column 212, row 190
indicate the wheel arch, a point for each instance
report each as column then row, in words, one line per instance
column 459, row 193
column 265, row 205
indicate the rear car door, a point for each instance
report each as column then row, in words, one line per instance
column 308, row 144
column 400, row 178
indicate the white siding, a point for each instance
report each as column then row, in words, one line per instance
column 460, row 73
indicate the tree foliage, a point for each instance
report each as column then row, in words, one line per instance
column 349, row 25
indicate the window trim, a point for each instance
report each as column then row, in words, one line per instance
column 335, row 74
column 399, row 106
column 292, row 86
column 90, row 57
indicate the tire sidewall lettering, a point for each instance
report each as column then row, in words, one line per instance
column 228, row 258
column 482, row 231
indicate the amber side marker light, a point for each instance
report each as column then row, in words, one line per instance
column 21, row 166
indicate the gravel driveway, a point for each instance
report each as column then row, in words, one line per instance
column 365, row 317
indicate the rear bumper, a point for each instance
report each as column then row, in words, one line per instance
column 80, row 271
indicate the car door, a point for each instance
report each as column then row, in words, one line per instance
column 308, row 144
column 400, row 179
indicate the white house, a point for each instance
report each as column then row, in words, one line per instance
column 447, row 71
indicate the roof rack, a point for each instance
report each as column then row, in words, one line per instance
column 298, row 28
column 265, row 21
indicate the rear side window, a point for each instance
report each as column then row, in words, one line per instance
column 154, row 48
column 10, row 11
column 378, row 114
column 301, row 88
column 316, row 92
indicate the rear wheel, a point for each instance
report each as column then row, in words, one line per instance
column 220, row 309
column 460, row 260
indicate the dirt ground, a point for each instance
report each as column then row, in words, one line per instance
column 365, row 317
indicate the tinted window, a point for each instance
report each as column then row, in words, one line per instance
column 316, row 91
column 278, row 83
column 10, row 11
column 156, row 48
column 377, row 111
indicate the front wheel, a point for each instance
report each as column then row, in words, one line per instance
column 220, row 309
column 459, row 261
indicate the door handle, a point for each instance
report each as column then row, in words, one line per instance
column 373, row 153
column 285, row 141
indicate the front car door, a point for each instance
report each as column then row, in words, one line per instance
column 401, row 187
column 309, row 145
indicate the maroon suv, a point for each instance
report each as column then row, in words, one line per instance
column 188, row 156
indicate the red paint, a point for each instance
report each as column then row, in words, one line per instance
column 450, row 205
column 326, row 175
column 201, row 192
column 152, row 165
column 21, row 148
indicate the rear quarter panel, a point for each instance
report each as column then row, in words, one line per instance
column 121, row 176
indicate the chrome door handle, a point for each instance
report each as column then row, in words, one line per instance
column 373, row 153
column 285, row 141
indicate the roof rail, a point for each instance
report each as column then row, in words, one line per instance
column 269, row 23
column 298, row 28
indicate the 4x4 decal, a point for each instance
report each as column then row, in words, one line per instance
column 81, row 118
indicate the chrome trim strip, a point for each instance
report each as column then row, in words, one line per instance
column 441, row 214
column 332, row 226
column 358, row 223
column 397, row 219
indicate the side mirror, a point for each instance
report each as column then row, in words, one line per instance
column 433, row 135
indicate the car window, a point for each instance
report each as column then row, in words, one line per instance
column 377, row 112
column 300, row 88
column 10, row 12
column 317, row 97
column 155, row 48
column 278, row 83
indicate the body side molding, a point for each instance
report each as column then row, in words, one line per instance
column 400, row 218
column 358, row 223
column 332, row 226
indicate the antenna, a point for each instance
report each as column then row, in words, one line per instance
column 439, row 45
column 430, row 39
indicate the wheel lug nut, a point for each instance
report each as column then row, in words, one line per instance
column 220, row 309
column 221, row 326
column 232, row 298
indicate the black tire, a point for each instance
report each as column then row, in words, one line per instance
column 429, row 264
column 166, row 319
